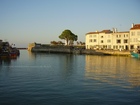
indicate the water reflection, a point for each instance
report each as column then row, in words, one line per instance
column 5, row 62
column 66, row 64
column 120, row 71
column 33, row 55
column 63, row 63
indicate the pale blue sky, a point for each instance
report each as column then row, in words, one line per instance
column 27, row 21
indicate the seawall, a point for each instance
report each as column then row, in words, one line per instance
column 75, row 50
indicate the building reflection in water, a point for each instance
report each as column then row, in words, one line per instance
column 115, row 70
column 32, row 55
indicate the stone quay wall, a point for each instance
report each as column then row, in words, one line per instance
column 78, row 50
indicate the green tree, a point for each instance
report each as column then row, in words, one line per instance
column 60, row 43
column 68, row 36
column 54, row 42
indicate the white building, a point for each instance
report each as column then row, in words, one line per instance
column 120, row 40
column 99, row 40
column 115, row 40
column 135, row 36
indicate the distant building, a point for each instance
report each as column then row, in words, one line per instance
column 115, row 40
column 31, row 45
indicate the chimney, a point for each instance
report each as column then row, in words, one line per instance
column 132, row 25
column 113, row 30
column 116, row 30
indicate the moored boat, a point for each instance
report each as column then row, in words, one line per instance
column 4, row 54
column 7, row 51
column 135, row 54
column 14, row 53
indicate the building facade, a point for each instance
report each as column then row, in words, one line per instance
column 120, row 40
column 115, row 40
column 99, row 40
column 135, row 36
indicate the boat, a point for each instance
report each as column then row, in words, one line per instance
column 135, row 54
column 7, row 51
column 4, row 54
column 14, row 53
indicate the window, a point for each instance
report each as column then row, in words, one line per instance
column 90, row 36
column 138, row 33
column 125, row 41
column 101, row 36
column 90, row 40
column 119, row 35
column 120, row 46
column 94, row 40
column 116, row 47
column 94, row 35
column 118, row 41
column 102, row 41
column 132, row 33
column 131, row 46
column 109, row 46
column 108, row 41
column 113, row 47
column 135, row 40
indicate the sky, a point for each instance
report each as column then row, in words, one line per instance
column 42, row 21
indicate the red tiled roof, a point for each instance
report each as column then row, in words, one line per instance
column 121, row 32
column 106, row 31
column 92, row 33
column 136, row 26
column 103, row 31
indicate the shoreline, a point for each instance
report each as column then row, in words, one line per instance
column 22, row 48
column 73, row 50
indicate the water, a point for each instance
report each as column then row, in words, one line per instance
column 64, row 79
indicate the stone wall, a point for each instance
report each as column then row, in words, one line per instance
column 75, row 50
column 53, row 49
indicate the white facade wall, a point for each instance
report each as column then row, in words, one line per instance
column 120, row 41
column 134, row 38
column 91, row 40
column 107, row 39
column 116, row 41
column 97, row 40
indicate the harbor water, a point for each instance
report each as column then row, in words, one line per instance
column 69, row 79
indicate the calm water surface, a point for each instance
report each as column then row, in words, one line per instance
column 64, row 79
